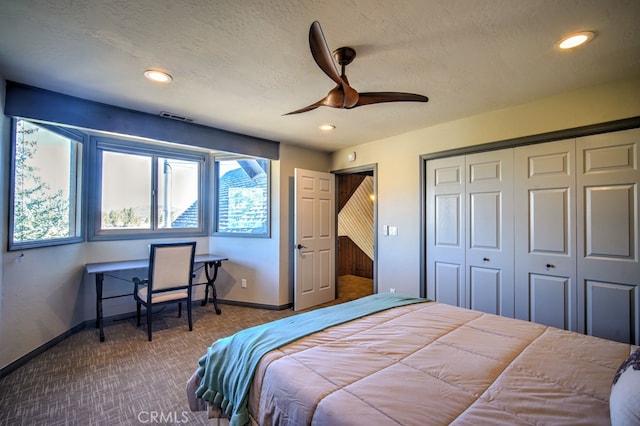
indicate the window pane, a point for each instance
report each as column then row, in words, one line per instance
column 148, row 190
column 44, row 184
column 178, row 191
column 126, row 191
column 242, row 196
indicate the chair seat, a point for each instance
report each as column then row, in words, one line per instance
column 164, row 296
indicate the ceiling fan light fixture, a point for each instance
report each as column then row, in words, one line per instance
column 575, row 39
column 327, row 127
column 158, row 76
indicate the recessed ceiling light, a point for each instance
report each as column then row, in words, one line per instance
column 575, row 40
column 158, row 76
column 327, row 127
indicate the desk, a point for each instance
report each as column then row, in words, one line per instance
column 99, row 269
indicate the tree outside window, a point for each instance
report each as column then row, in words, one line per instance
column 45, row 183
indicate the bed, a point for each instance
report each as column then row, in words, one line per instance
column 407, row 361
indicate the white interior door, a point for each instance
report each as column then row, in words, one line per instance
column 608, row 212
column 545, row 243
column 315, row 240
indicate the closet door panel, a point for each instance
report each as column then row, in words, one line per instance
column 608, row 212
column 485, row 287
column 446, row 230
column 489, row 238
column 549, row 221
column 545, row 237
column 448, row 285
column 603, row 206
column 550, row 300
column 611, row 311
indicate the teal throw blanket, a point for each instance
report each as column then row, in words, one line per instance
column 230, row 363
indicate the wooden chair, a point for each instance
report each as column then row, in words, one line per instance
column 170, row 279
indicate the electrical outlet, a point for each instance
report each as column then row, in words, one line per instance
column 244, row 283
column 393, row 231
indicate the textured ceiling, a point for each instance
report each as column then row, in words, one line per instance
column 240, row 64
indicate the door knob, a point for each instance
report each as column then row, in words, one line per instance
column 300, row 246
column 486, row 259
column 549, row 265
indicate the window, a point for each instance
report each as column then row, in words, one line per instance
column 242, row 202
column 46, row 181
column 132, row 189
column 147, row 189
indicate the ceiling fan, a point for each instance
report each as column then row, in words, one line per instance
column 343, row 95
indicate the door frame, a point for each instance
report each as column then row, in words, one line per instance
column 355, row 170
column 606, row 127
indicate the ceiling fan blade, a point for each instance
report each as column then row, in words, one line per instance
column 369, row 98
column 308, row 108
column 334, row 99
column 321, row 53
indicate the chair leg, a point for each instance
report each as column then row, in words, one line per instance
column 149, row 322
column 138, row 313
column 189, row 314
column 179, row 309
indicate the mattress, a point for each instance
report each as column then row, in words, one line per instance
column 431, row 363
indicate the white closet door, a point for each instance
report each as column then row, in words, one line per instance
column 608, row 212
column 446, row 231
column 545, row 243
column 489, row 236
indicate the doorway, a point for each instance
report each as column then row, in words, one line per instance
column 356, row 221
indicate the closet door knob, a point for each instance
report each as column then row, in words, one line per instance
column 550, row 265
column 486, row 259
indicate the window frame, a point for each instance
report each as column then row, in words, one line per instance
column 217, row 158
column 76, row 184
column 99, row 143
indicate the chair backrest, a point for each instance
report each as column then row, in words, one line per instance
column 171, row 265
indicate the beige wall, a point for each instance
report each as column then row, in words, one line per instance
column 398, row 160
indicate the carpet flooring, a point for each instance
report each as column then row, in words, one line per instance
column 127, row 380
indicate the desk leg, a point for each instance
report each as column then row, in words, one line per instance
column 99, row 280
column 211, row 283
